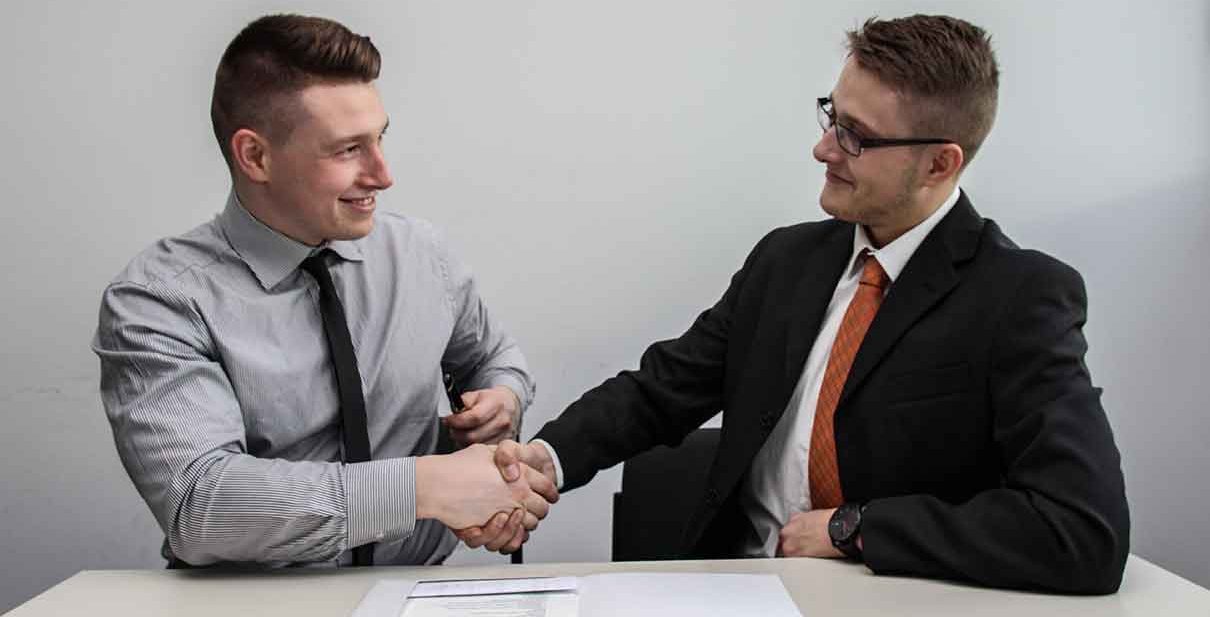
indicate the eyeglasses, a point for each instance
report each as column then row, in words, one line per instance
column 853, row 142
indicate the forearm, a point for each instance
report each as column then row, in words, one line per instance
column 235, row 507
column 593, row 434
column 675, row 390
column 1001, row 537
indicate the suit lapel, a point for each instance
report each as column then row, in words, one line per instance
column 929, row 275
column 811, row 295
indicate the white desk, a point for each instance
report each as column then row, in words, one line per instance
column 819, row 587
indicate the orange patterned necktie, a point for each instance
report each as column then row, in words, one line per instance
column 823, row 476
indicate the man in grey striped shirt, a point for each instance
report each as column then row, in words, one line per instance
column 215, row 372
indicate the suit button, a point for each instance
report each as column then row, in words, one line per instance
column 767, row 421
column 711, row 497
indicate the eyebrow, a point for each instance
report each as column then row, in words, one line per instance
column 360, row 137
column 850, row 120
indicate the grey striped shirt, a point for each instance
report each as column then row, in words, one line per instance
column 216, row 378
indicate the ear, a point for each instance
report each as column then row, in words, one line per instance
column 250, row 153
column 945, row 164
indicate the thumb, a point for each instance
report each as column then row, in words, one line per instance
column 507, row 458
column 470, row 398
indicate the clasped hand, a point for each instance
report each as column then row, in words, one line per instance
column 467, row 490
column 516, row 463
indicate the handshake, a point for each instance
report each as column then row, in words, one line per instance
column 491, row 496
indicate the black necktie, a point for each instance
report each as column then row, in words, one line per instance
column 348, row 381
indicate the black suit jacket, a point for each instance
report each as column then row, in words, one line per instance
column 968, row 421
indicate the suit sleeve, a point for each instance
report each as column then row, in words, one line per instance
column 1059, row 520
column 677, row 387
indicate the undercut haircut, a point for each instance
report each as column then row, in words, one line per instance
column 944, row 70
column 274, row 58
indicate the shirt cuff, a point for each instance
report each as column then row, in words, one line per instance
column 381, row 500
column 524, row 395
column 553, row 457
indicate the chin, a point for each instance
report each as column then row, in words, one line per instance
column 836, row 201
column 355, row 231
column 836, row 209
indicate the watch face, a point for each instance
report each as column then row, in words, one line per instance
column 843, row 525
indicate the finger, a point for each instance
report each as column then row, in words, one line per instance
column 459, row 438
column 499, row 533
column 530, row 522
column 463, row 437
column 536, row 505
column 474, row 537
column 470, row 398
column 471, row 418
column 516, row 542
column 495, row 428
column 508, row 532
column 470, row 536
column 508, row 459
column 502, row 427
column 542, row 485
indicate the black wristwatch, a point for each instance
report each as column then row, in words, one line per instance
column 844, row 527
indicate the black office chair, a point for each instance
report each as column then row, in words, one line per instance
column 660, row 489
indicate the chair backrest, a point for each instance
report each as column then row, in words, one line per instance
column 660, row 490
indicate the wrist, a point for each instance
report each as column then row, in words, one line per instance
column 844, row 529
column 542, row 461
column 428, row 487
column 513, row 394
column 549, row 462
column 515, row 412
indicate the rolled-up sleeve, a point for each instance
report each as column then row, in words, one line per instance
column 179, row 432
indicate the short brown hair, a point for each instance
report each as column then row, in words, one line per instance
column 274, row 58
column 943, row 67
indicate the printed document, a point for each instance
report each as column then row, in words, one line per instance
column 637, row 594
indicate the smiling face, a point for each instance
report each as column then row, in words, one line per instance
column 321, row 182
column 880, row 189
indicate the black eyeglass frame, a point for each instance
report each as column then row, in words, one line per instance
column 826, row 116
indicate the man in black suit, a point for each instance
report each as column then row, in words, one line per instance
column 902, row 383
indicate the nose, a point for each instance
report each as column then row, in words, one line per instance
column 827, row 149
column 377, row 172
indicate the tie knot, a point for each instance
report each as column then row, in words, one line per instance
column 315, row 264
column 873, row 274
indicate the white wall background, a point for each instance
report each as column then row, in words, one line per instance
column 605, row 166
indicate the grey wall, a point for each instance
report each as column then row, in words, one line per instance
column 605, row 166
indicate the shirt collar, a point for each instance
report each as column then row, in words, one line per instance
column 271, row 255
column 894, row 256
